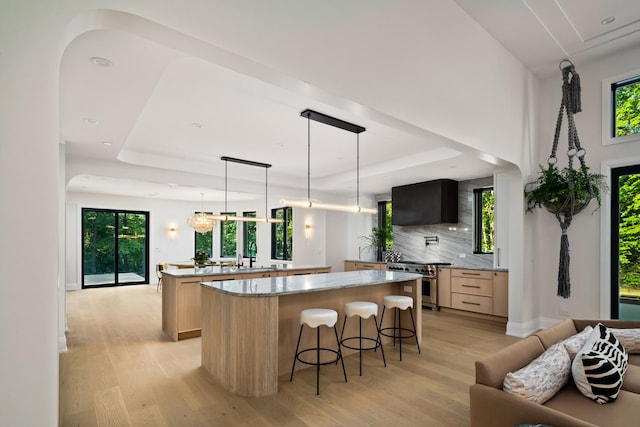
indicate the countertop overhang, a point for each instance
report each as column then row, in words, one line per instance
column 275, row 286
column 221, row 271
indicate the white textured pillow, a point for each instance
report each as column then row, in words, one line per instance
column 541, row 379
column 574, row 343
column 629, row 338
column 599, row 367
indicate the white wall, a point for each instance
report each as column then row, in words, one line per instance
column 585, row 239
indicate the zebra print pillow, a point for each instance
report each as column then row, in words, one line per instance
column 599, row 367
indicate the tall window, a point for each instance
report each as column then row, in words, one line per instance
column 483, row 220
column 203, row 242
column 228, row 237
column 248, row 234
column 626, row 107
column 385, row 211
column 282, row 234
column 115, row 247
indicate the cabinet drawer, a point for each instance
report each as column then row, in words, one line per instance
column 365, row 266
column 476, row 303
column 472, row 285
column 478, row 274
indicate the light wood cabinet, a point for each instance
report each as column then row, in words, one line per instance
column 444, row 287
column 181, row 298
column 363, row 265
column 478, row 291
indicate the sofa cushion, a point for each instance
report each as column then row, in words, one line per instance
column 492, row 369
column 541, row 379
column 574, row 343
column 631, row 380
column 557, row 332
column 599, row 367
column 619, row 413
column 630, row 339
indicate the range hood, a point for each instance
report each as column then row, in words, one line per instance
column 425, row 203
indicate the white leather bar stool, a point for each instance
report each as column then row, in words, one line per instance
column 364, row 310
column 398, row 303
column 314, row 318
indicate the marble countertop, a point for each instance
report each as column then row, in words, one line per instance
column 220, row 271
column 274, row 286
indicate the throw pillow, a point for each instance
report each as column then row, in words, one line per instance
column 629, row 338
column 574, row 343
column 541, row 379
column 599, row 367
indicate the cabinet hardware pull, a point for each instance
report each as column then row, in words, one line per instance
column 471, row 303
column 470, row 274
column 470, row 286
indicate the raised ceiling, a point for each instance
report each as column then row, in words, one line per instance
column 160, row 109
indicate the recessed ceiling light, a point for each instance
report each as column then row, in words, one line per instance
column 172, row 185
column 196, row 125
column 107, row 143
column 103, row 62
column 90, row 121
column 607, row 21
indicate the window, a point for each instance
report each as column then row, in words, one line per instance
column 483, row 220
column 621, row 108
column 228, row 237
column 384, row 221
column 282, row 234
column 248, row 233
column 625, row 96
column 203, row 242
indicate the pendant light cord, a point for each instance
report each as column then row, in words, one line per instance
column 225, row 186
column 309, row 159
column 358, row 171
column 266, row 192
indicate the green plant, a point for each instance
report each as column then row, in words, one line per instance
column 564, row 190
column 377, row 239
column 201, row 257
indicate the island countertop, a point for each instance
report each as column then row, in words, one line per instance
column 274, row 286
column 221, row 271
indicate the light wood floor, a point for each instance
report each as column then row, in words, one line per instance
column 121, row 370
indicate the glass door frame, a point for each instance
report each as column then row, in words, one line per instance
column 116, row 281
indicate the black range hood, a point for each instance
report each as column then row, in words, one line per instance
column 425, row 203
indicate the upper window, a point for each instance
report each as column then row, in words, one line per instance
column 282, row 234
column 228, row 237
column 621, row 109
column 203, row 242
column 483, row 220
column 249, row 234
column 385, row 211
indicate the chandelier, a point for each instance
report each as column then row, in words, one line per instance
column 202, row 222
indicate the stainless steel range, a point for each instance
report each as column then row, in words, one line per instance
column 429, row 271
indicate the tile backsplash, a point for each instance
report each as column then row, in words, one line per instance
column 454, row 240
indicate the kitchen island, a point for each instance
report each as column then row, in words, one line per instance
column 181, row 307
column 250, row 327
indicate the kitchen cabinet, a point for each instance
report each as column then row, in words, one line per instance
column 444, row 287
column 363, row 265
column 477, row 291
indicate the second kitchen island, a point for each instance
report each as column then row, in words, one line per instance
column 250, row 327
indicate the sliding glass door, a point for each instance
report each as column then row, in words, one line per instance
column 115, row 248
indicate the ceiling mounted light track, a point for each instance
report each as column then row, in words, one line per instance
column 265, row 218
column 331, row 121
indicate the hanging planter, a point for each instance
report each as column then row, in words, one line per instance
column 566, row 192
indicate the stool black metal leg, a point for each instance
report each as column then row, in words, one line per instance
column 399, row 330
column 360, row 341
column 379, row 342
column 344, row 371
column 415, row 331
column 318, row 360
column 295, row 356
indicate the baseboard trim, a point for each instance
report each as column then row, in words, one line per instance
column 523, row 330
column 62, row 344
column 72, row 286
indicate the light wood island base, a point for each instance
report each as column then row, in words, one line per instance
column 248, row 341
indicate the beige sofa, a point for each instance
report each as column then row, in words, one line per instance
column 492, row 407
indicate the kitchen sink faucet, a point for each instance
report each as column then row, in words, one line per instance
column 255, row 253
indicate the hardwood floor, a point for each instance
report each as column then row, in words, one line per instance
column 121, row 370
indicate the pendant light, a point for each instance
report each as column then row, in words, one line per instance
column 332, row 121
column 202, row 222
column 265, row 218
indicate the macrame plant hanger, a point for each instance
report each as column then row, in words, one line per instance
column 570, row 104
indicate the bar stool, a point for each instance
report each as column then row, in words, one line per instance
column 314, row 318
column 399, row 302
column 363, row 310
